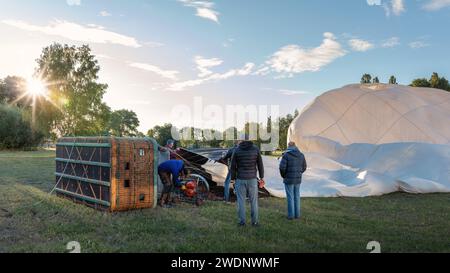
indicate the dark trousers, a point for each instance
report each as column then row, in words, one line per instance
column 168, row 187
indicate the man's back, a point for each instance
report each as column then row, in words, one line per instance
column 246, row 162
column 292, row 166
column 172, row 166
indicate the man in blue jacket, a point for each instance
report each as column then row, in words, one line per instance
column 170, row 172
column 292, row 166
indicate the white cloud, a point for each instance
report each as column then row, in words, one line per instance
column 262, row 71
column 103, row 56
column 139, row 102
column 204, row 8
column 105, row 13
column 293, row 59
column 418, row 44
column 360, row 45
column 246, row 70
column 433, row 5
column 228, row 42
column 288, row 92
column 73, row 2
column 208, row 14
column 396, row 7
column 169, row 74
column 374, row 2
column 76, row 32
column 203, row 65
column 391, row 42
column 153, row 44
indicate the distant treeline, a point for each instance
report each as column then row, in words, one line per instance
column 435, row 81
column 200, row 140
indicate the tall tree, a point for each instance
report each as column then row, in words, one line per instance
column 124, row 123
column 72, row 75
column 161, row 133
column 393, row 80
column 366, row 79
column 376, row 80
column 439, row 82
column 284, row 124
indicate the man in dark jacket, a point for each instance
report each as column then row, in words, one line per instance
column 292, row 166
column 245, row 164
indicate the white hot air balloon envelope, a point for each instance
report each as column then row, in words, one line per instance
column 366, row 140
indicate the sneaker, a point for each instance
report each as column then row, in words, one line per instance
column 256, row 225
column 241, row 224
column 290, row 219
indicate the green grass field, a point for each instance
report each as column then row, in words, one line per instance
column 33, row 221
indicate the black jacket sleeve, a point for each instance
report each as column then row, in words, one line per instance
column 283, row 166
column 260, row 165
column 233, row 167
column 228, row 155
column 305, row 165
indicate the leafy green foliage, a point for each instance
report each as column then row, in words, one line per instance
column 284, row 124
column 366, row 79
column 15, row 131
column 11, row 90
column 72, row 73
column 161, row 133
column 124, row 123
column 434, row 82
column 420, row 83
column 393, row 80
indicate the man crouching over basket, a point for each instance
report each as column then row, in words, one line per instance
column 170, row 173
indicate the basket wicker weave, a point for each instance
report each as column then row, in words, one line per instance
column 107, row 173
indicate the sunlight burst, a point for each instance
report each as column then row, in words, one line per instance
column 35, row 87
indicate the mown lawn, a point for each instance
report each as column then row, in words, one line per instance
column 33, row 221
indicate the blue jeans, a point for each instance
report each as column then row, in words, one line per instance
column 250, row 187
column 226, row 195
column 293, row 200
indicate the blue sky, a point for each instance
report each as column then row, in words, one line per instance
column 156, row 54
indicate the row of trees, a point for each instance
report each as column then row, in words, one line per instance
column 367, row 79
column 435, row 81
column 72, row 106
column 201, row 140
